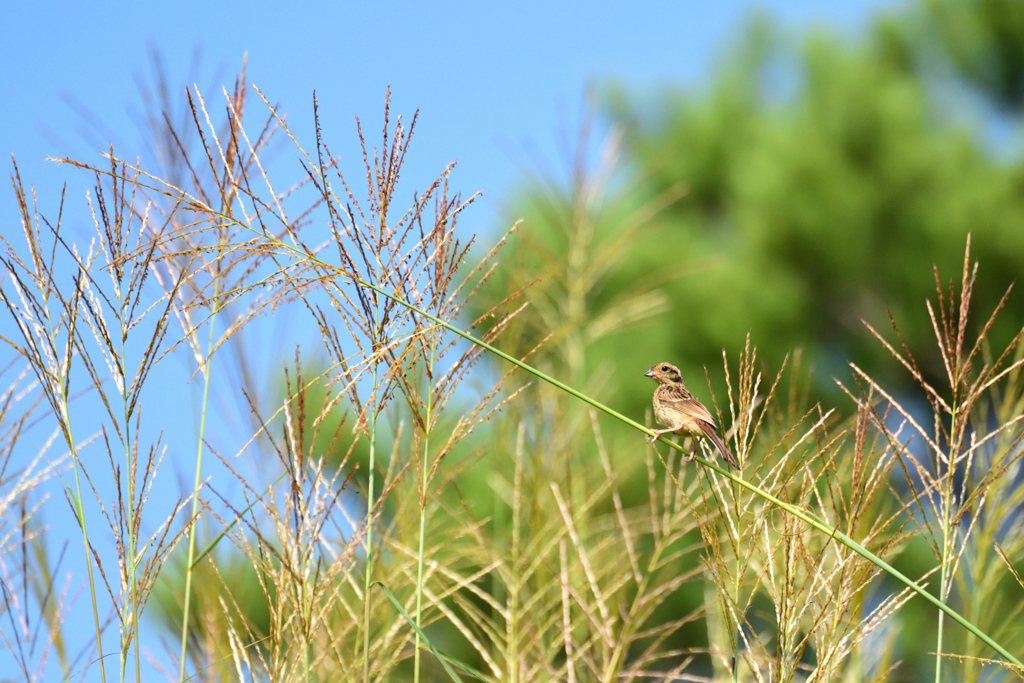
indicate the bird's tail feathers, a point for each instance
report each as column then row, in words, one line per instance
column 709, row 430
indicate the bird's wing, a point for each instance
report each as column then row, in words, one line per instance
column 678, row 398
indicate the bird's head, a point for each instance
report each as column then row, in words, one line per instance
column 665, row 373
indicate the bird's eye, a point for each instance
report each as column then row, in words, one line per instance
column 664, row 368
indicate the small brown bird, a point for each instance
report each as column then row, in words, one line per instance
column 678, row 410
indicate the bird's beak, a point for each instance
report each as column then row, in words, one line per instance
column 649, row 373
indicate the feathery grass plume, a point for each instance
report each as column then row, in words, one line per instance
column 418, row 259
column 198, row 254
column 112, row 304
column 47, row 319
column 423, row 262
column 35, row 604
column 595, row 575
column 106, row 305
column 790, row 601
column 305, row 557
column 963, row 474
column 588, row 592
column 1019, row 671
column 103, row 317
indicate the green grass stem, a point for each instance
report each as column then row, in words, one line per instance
column 192, row 560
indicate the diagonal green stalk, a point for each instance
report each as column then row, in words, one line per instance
column 217, row 539
column 445, row 660
column 797, row 512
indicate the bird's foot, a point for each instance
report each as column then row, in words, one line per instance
column 654, row 437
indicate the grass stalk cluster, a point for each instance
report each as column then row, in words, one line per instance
column 418, row 496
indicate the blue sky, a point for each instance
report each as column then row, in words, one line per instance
column 495, row 84
column 494, row 81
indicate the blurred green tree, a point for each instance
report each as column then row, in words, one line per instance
column 823, row 178
column 824, row 181
column 984, row 40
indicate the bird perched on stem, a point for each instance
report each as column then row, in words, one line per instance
column 679, row 411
